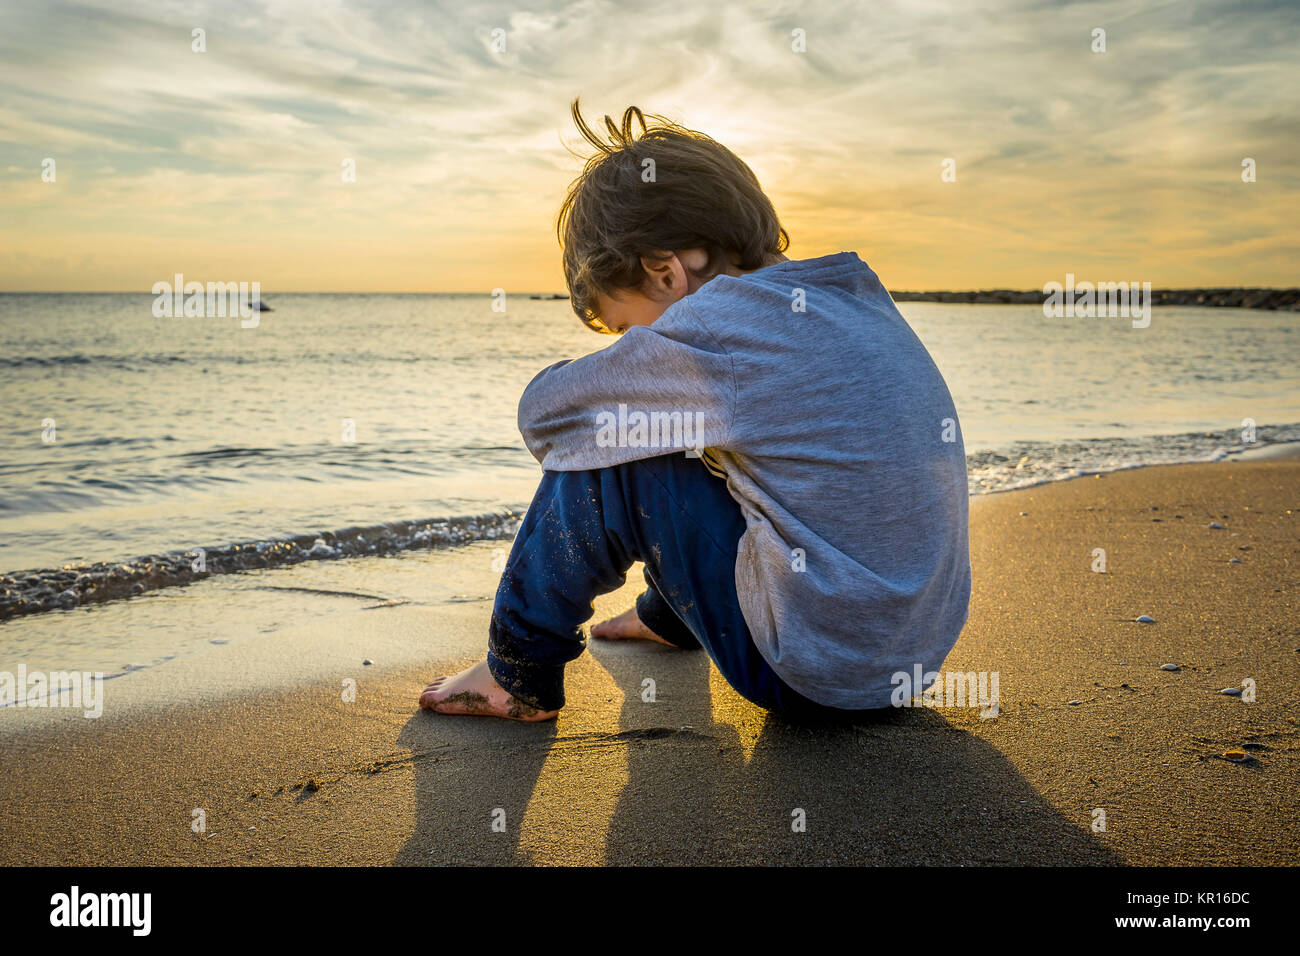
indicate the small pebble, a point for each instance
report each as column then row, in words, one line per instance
column 1216, row 526
column 367, row 662
column 1238, row 756
column 1024, row 514
column 1231, row 691
column 1234, row 560
column 1146, row 619
column 320, row 550
column 1170, row 667
column 1075, row 703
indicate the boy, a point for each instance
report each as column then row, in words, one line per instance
column 768, row 436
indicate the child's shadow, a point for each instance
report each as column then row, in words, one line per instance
column 906, row 787
column 473, row 781
column 680, row 764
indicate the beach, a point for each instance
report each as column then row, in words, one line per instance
column 251, row 755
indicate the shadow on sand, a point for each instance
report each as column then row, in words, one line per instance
column 907, row 787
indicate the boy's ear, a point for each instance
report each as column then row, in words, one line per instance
column 665, row 275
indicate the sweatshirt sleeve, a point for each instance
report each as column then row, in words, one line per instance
column 660, row 388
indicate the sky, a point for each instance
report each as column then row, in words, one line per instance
column 227, row 164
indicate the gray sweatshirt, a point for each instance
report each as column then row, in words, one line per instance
column 838, row 439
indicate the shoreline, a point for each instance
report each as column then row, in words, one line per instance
column 37, row 591
column 40, row 590
column 1211, row 297
column 258, row 737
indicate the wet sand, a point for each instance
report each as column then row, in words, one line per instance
column 287, row 772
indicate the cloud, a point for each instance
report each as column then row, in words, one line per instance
column 1062, row 153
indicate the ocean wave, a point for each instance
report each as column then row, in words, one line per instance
column 141, row 469
column 81, row 358
column 1029, row 463
column 1019, row 465
column 72, row 585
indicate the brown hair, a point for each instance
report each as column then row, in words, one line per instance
column 701, row 196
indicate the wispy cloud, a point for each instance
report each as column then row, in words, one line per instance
column 227, row 163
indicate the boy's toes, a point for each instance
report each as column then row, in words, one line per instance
column 431, row 696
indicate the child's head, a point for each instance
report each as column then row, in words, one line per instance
column 655, row 216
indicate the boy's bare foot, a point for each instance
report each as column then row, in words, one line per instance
column 475, row 691
column 627, row 626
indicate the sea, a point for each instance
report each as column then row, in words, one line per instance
column 144, row 453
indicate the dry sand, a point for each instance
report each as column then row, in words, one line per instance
column 1088, row 721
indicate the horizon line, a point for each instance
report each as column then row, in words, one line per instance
column 1190, row 288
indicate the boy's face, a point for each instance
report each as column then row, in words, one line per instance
column 667, row 280
column 629, row 309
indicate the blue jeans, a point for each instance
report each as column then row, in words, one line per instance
column 582, row 533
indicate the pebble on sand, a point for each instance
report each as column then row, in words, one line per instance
column 1238, row 756
column 1170, row 667
column 1145, row 619
column 320, row 549
column 1231, row 691
column 1216, row 526
column 367, row 662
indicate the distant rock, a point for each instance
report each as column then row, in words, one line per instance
column 1284, row 300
